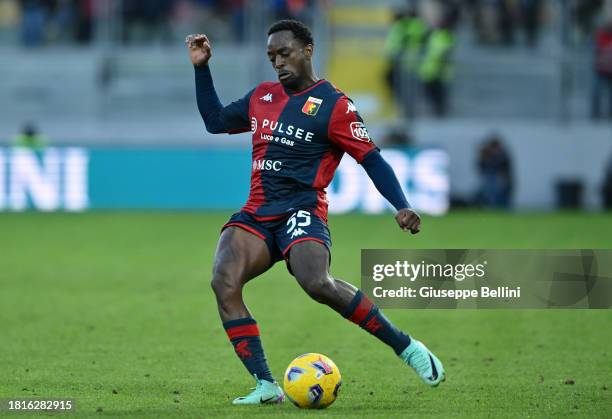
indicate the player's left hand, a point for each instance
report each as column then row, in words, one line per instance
column 199, row 49
column 408, row 220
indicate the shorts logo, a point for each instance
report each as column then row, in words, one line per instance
column 359, row 131
column 298, row 219
column 312, row 105
column 297, row 232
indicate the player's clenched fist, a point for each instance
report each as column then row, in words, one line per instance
column 408, row 220
column 199, row 49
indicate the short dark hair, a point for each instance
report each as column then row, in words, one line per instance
column 299, row 30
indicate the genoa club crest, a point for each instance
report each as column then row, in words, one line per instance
column 312, row 105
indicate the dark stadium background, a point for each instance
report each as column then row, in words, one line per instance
column 112, row 196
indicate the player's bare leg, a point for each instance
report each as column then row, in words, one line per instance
column 309, row 262
column 240, row 257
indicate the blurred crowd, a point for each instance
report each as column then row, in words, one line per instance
column 494, row 22
column 421, row 41
column 419, row 47
column 43, row 22
column 223, row 19
column 510, row 22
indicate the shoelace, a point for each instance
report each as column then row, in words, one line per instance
column 420, row 361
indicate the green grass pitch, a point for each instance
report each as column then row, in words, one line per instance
column 114, row 311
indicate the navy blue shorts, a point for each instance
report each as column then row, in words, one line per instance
column 280, row 234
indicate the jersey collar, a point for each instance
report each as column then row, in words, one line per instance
column 301, row 92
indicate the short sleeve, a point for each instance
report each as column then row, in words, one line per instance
column 235, row 116
column 348, row 132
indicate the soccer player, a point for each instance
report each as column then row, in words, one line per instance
column 301, row 127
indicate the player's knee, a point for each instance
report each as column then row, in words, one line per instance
column 320, row 289
column 224, row 290
column 225, row 283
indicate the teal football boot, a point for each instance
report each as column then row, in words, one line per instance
column 424, row 362
column 264, row 393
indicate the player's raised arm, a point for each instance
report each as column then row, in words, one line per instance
column 347, row 131
column 218, row 119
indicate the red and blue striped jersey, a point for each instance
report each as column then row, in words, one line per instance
column 298, row 142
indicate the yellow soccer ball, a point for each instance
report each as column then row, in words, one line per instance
column 312, row 381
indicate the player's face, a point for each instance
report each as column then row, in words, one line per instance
column 289, row 57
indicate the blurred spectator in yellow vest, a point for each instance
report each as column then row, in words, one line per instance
column 405, row 40
column 30, row 138
column 404, row 48
column 436, row 68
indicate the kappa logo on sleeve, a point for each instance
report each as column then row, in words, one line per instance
column 351, row 107
column 359, row 131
